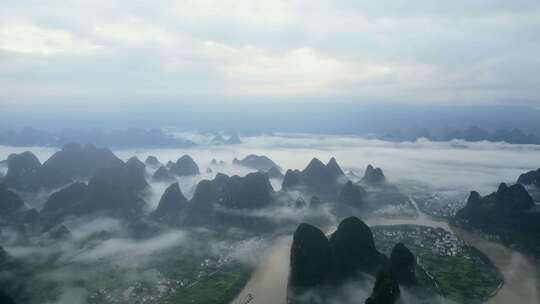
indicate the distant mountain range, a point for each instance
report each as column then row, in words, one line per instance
column 157, row 138
column 472, row 134
column 128, row 138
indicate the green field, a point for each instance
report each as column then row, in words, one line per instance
column 189, row 272
column 446, row 265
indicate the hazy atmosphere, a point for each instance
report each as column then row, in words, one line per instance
column 77, row 55
column 269, row 152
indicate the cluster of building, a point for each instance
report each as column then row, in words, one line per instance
column 154, row 292
column 441, row 207
column 437, row 240
column 139, row 292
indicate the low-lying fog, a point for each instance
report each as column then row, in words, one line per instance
column 454, row 166
column 441, row 165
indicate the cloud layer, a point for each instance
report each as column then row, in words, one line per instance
column 184, row 51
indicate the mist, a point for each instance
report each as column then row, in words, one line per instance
column 415, row 124
column 338, row 116
column 442, row 165
column 450, row 169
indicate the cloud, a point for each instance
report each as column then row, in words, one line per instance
column 134, row 31
column 71, row 295
column 255, row 12
column 30, row 39
column 297, row 71
column 129, row 251
column 454, row 165
column 393, row 51
column 443, row 165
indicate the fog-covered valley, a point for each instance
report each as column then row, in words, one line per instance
column 479, row 165
column 269, row 152
column 239, row 253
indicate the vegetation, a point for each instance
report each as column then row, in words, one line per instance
column 446, row 265
column 192, row 272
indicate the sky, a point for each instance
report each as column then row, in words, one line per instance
column 80, row 54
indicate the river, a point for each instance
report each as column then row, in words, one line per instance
column 268, row 283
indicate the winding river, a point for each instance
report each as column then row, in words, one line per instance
column 268, row 283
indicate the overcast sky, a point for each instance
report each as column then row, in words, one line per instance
column 81, row 52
